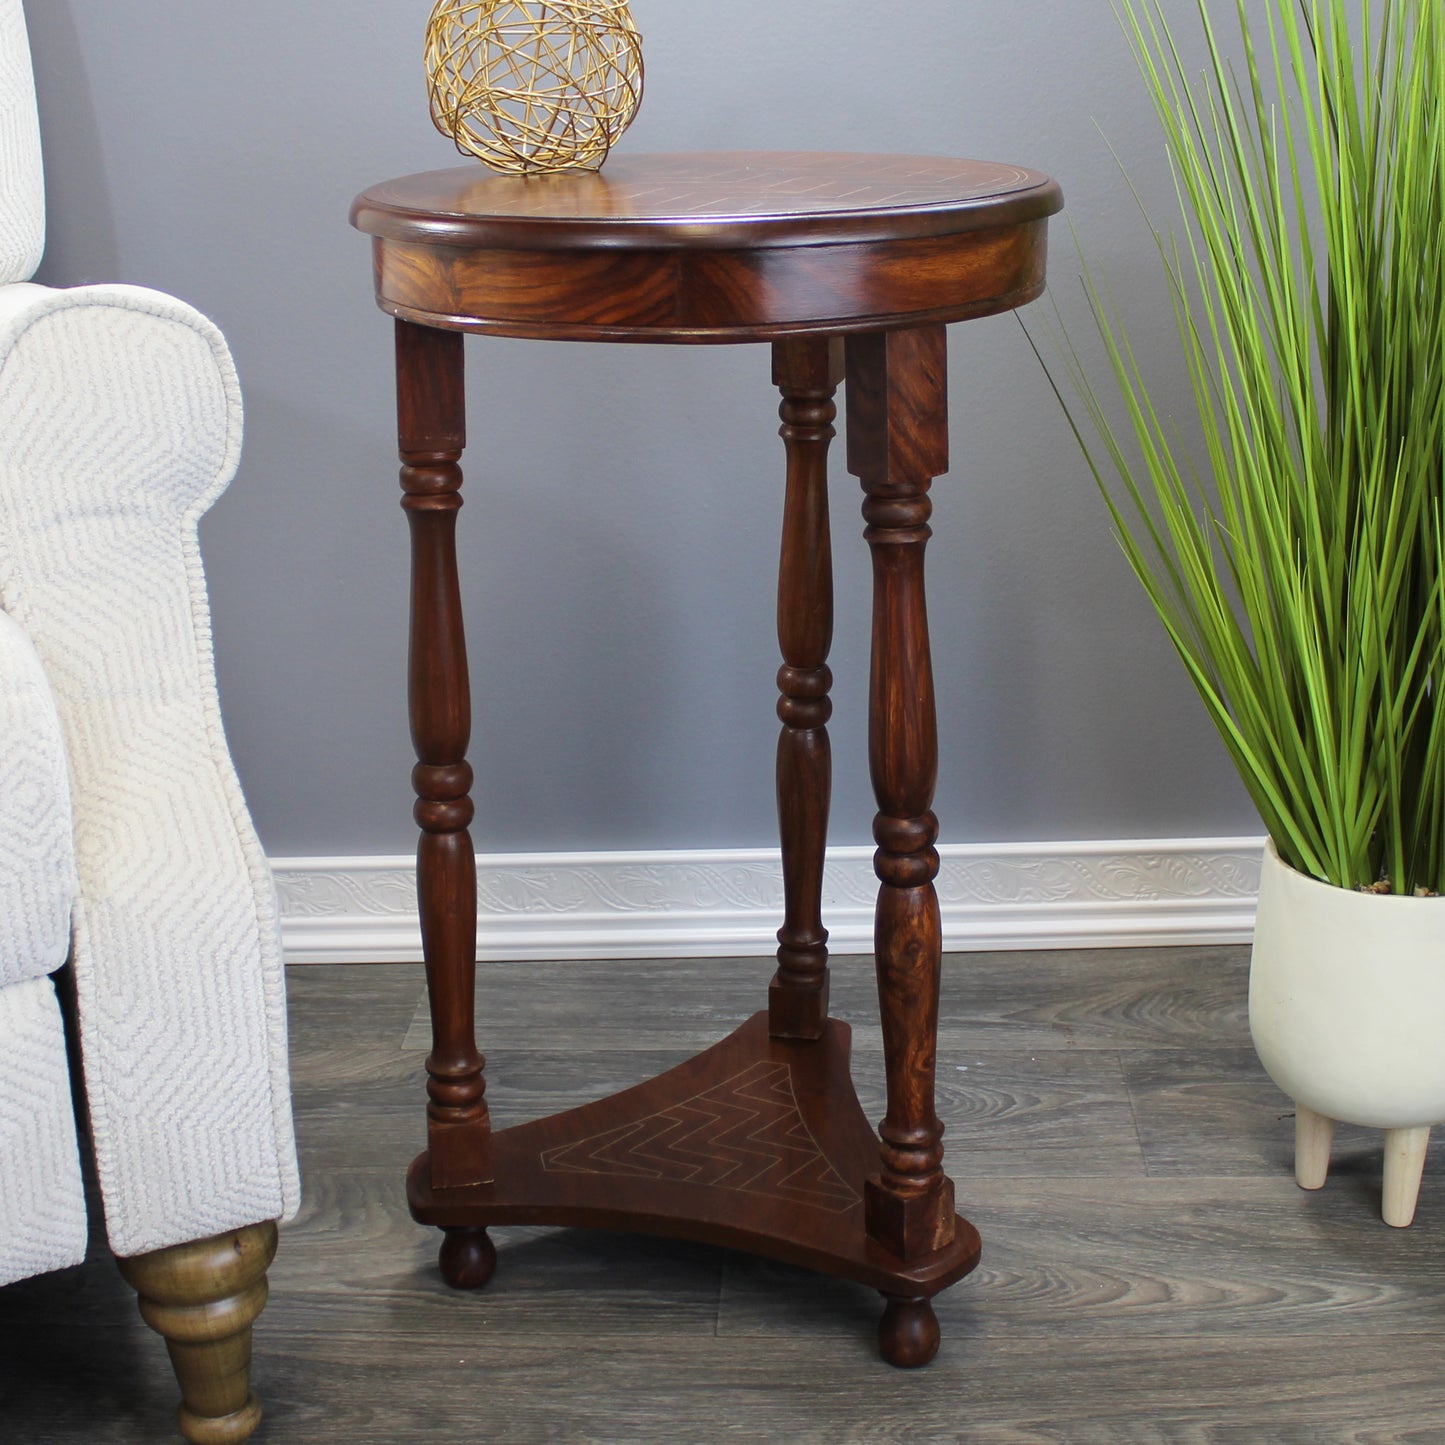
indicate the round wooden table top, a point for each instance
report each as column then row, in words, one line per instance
column 720, row 246
column 709, row 200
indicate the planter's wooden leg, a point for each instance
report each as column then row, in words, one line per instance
column 202, row 1297
column 1313, row 1134
column 1404, row 1165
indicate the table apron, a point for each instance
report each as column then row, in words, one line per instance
column 744, row 295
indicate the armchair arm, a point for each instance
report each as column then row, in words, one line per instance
column 22, row 182
column 42, row 1200
column 120, row 415
column 37, row 856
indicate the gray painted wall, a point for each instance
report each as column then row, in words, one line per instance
column 620, row 537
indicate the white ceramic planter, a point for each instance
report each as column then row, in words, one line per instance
column 1347, row 1011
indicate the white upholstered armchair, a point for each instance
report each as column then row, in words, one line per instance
column 124, row 839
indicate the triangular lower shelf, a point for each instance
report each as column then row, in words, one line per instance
column 758, row 1144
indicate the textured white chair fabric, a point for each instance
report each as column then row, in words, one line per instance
column 120, row 416
column 120, row 424
column 42, row 1204
column 42, row 1201
column 22, row 187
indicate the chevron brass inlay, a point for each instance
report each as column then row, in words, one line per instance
column 745, row 1134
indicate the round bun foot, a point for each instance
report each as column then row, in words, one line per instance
column 468, row 1258
column 908, row 1332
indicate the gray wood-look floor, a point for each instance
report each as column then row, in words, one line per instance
column 1150, row 1273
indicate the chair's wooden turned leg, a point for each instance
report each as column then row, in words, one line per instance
column 202, row 1297
column 1404, row 1165
column 908, row 1332
column 468, row 1258
column 1313, row 1135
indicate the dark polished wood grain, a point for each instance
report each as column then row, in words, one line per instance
column 432, row 435
column 709, row 201
column 757, row 1144
column 897, row 444
column 676, row 296
column 731, row 247
column 807, row 372
column 847, row 264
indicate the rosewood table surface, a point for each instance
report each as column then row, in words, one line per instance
column 850, row 266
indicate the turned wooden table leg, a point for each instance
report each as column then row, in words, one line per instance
column 202, row 1298
column 807, row 371
column 897, row 444
column 432, row 432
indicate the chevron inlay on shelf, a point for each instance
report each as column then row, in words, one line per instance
column 745, row 1134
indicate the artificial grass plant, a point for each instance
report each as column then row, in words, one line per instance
column 1297, row 564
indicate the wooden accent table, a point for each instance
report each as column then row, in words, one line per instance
column 850, row 265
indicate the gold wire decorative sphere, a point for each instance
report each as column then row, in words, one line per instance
column 534, row 85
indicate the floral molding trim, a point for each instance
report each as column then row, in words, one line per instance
column 729, row 902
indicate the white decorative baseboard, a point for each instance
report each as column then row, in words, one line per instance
column 729, row 902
